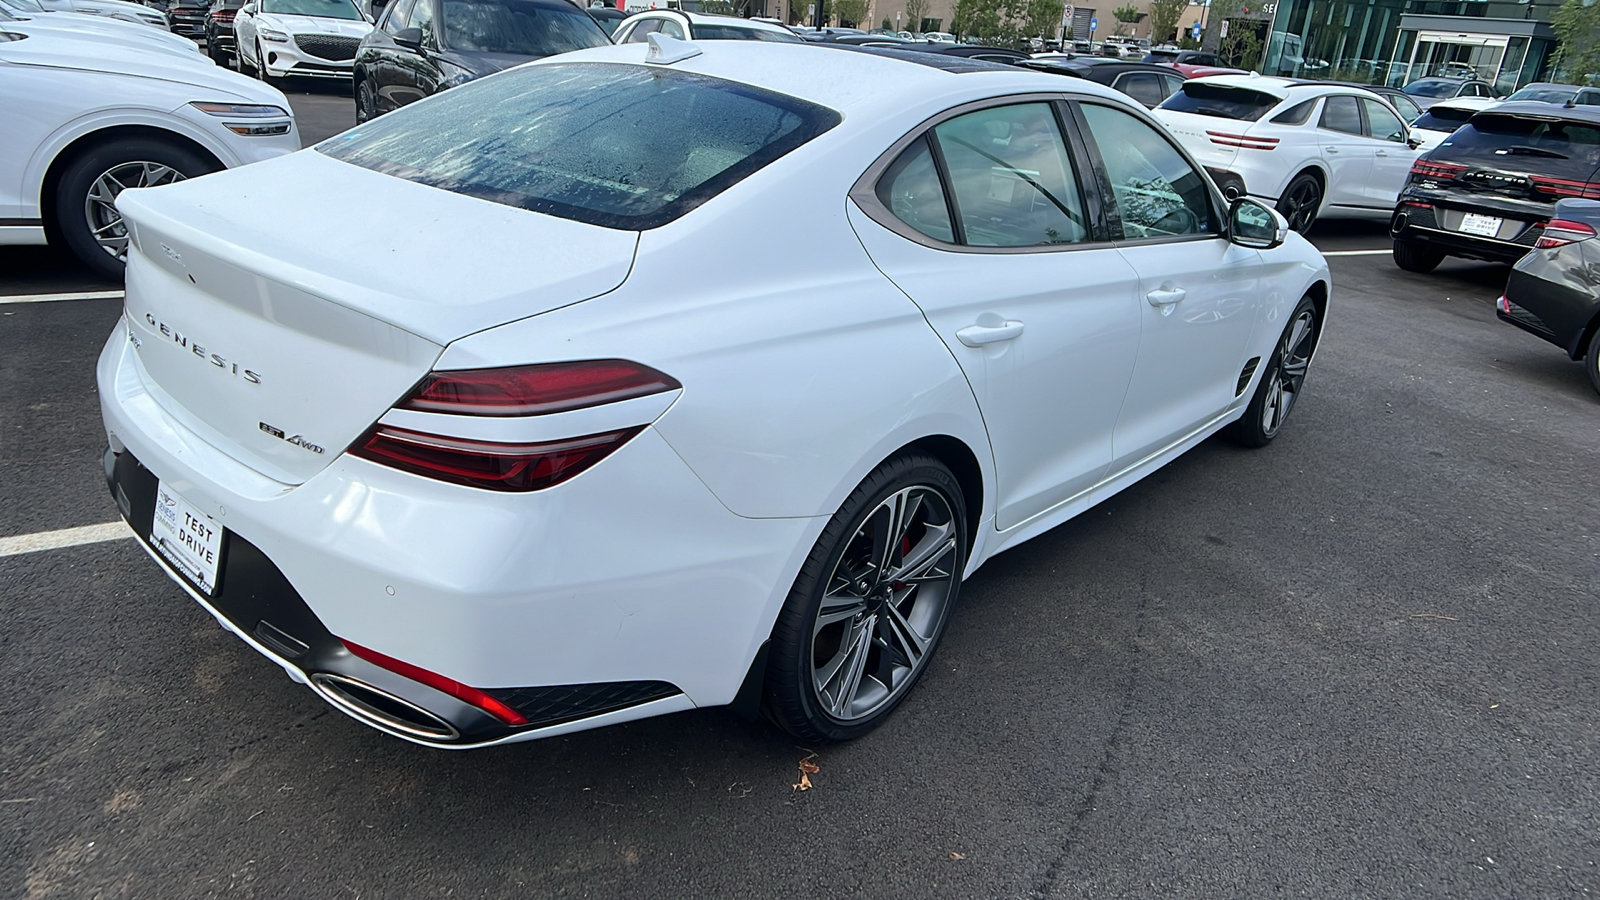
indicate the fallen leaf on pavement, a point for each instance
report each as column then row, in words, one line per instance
column 808, row 767
column 804, row 784
column 954, row 855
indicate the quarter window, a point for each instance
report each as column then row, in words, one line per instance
column 1157, row 192
column 1013, row 183
column 1341, row 114
column 912, row 191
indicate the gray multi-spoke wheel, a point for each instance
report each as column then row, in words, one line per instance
column 100, row 206
column 870, row 603
column 85, row 214
column 1283, row 380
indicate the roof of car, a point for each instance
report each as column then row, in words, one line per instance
column 845, row 77
column 1473, row 103
column 713, row 19
column 1538, row 109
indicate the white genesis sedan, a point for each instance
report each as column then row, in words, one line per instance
column 276, row 38
column 569, row 441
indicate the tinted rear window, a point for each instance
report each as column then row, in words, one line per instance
column 518, row 27
column 1526, row 143
column 620, row 146
column 1545, row 94
column 1432, row 88
column 735, row 33
column 1222, row 102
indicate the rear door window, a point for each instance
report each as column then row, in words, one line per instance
column 1341, row 114
column 1014, row 184
column 1223, row 102
column 621, row 146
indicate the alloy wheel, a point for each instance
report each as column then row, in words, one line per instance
column 99, row 206
column 1294, row 357
column 1302, row 201
column 884, row 603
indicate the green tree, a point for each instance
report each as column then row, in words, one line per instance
column 1006, row 23
column 1577, row 23
column 850, row 12
column 1126, row 16
column 915, row 10
column 1164, row 15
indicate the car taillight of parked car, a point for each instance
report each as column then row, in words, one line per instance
column 1242, row 141
column 1561, row 232
column 1429, row 169
column 533, row 390
column 1563, row 187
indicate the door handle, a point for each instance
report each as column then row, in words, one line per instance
column 989, row 332
column 1381, row 153
column 1331, row 149
column 1165, row 296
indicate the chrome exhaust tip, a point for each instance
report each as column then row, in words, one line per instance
column 382, row 709
column 1398, row 224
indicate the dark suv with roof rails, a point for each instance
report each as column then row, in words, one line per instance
column 1488, row 190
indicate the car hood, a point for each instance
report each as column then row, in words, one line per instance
column 314, row 25
column 135, row 59
column 436, row 264
column 99, row 28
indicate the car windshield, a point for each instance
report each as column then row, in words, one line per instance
column 735, row 33
column 1220, row 101
column 620, row 146
column 518, row 27
column 327, row 9
column 1432, row 88
column 1536, row 143
column 1545, row 94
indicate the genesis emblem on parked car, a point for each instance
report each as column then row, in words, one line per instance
column 193, row 346
column 296, row 440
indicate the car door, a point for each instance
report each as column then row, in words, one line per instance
column 1392, row 154
column 377, row 56
column 1197, row 293
column 985, row 221
column 244, row 32
column 1344, row 150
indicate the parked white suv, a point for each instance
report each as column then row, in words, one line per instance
column 1310, row 149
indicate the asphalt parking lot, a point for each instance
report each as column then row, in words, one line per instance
column 1361, row 662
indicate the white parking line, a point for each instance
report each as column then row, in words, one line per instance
column 52, row 298
column 66, row 537
column 1356, row 252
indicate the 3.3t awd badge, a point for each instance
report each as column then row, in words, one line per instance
column 297, row 440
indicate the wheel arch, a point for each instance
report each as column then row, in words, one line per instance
column 98, row 137
column 1580, row 347
column 1318, row 292
column 963, row 463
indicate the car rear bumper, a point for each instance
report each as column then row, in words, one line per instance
column 626, row 592
column 1419, row 224
column 1551, row 293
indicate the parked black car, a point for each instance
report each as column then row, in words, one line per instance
column 1554, row 291
column 969, row 51
column 188, row 18
column 1147, row 83
column 1488, row 191
column 219, row 30
column 1552, row 92
column 422, row 47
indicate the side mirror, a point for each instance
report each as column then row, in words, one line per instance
column 1252, row 223
column 409, row 38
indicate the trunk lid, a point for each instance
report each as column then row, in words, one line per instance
column 281, row 308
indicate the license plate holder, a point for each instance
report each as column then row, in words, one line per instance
column 1481, row 225
column 187, row 538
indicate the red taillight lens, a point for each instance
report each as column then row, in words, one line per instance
column 488, row 464
column 468, row 695
column 538, row 389
column 1430, row 169
column 1565, row 187
column 1242, row 141
column 1561, row 232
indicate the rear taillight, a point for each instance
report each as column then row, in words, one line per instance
column 538, row 389
column 468, row 695
column 1429, row 169
column 1561, row 232
column 490, row 465
column 1242, row 141
column 1503, row 304
column 1564, row 187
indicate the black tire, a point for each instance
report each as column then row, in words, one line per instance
column 1279, row 390
column 1301, row 201
column 793, row 699
column 366, row 102
column 1591, row 361
column 239, row 62
column 217, row 54
column 72, row 215
column 1414, row 257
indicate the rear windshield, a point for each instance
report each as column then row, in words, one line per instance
column 735, row 33
column 1432, row 88
column 1542, row 143
column 619, row 146
column 518, row 27
column 1222, row 102
column 1442, row 118
column 1545, row 94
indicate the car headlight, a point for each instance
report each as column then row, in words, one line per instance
column 246, row 111
column 267, row 34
